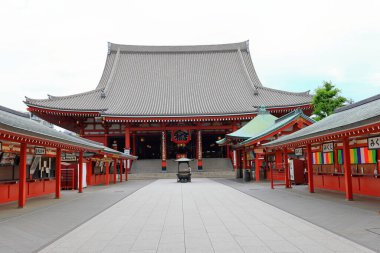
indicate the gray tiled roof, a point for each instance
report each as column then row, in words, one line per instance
column 14, row 123
column 145, row 81
column 358, row 114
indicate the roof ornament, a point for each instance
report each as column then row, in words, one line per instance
column 262, row 110
column 109, row 47
column 102, row 94
column 256, row 92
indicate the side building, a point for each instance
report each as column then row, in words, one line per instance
column 167, row 102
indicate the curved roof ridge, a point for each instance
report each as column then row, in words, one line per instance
column 112, row 73
column 247, row 59
column 50, row 97
column 303, row 93
column 190, row 48
column 246, row 72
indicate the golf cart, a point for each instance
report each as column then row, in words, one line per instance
column 184, row 171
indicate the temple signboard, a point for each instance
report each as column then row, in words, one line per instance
column 328, row 147
column 374, row 142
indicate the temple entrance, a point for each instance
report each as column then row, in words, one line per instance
column 174, row 148
column 148, row 146
column 116, row 142
column 209, row 147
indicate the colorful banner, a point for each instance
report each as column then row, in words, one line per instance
column 323, row 158
column 317, row 158
column 359, row 156
column 340, row 156
column 328, row 158
column 362, row 155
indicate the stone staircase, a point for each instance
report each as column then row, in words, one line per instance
column 212, row 168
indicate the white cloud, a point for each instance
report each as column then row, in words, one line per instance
column 59, row 47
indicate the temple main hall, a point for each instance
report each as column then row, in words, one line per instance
column 166, row 102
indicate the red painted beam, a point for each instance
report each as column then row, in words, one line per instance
column 181, row 119
column 226, row 127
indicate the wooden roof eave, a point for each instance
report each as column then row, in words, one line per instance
column 353, row 132
column 65, row 113
column 37, row 141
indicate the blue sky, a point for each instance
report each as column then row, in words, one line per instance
column 59, row 47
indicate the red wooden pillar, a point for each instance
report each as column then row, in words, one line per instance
column 163, row 150
column 228, row 152
column 22, row 177
column 310, row 174
column 126, row 171
column 80, row 187
column 107, row 172
column 286, row 167
column 271, row 177
column 89, row 172
column 127, row 148
column 121, row 169
column 114, row 170
column 58, row 173
column 347, row 168
column 134, row 144
column 234, row 159
column 257, row 167
column 199, row 150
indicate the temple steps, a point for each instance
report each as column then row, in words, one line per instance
column 212, row 168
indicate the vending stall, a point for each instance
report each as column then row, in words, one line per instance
column 31, row 157
column 247, row 142
column 343, row 150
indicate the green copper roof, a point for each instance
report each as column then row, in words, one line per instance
column 262, row 121
column 279, row 123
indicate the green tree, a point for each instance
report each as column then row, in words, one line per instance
column 326, row 99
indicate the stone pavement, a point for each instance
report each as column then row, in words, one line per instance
column 202, row 216
column 45, row 219
column 357, row 220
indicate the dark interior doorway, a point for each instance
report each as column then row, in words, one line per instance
column 209, row 147
column 148, row 146
column 118, row 141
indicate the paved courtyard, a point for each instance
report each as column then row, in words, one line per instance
column 202, row 216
